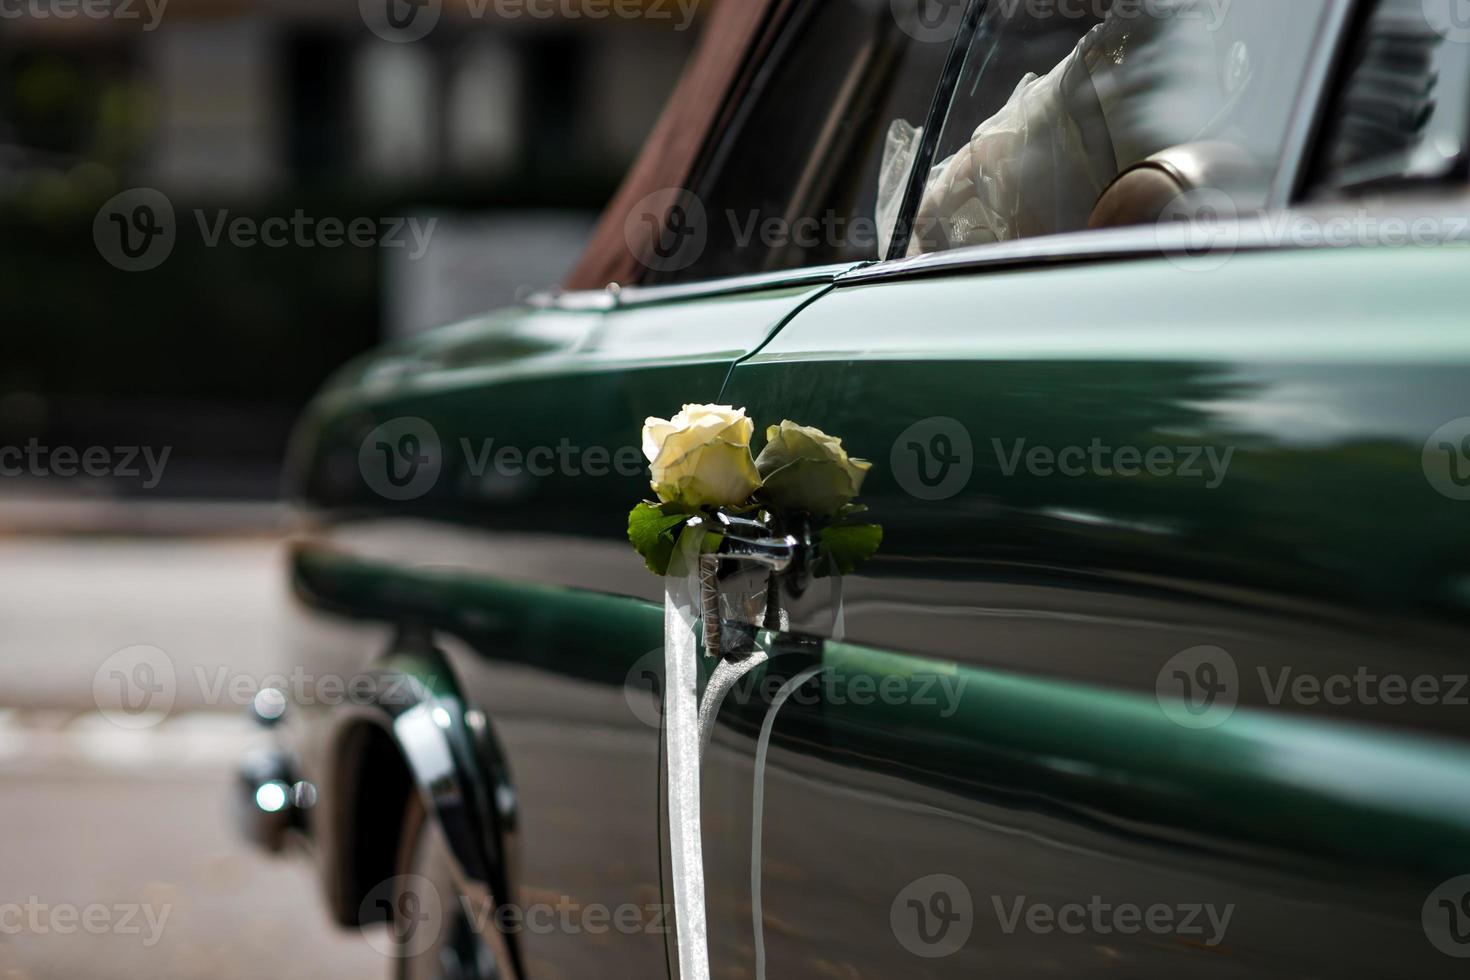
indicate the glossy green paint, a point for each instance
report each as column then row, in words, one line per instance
column 577, row 634
column 1318, row 549
column 1055, row 599
column 1309, row 787
column 1322, row 373
column 1340, row 306
column 1305, row 787
column 561, row 674
column 564, row 394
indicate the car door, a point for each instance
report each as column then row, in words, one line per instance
column 472, row 488
column 1160, row 670
column 475, row 485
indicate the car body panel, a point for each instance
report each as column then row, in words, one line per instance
column 551, row 383
column 1051, row 770
column 1060, row 601
column 984, row 715
column 545, row 670
column 1323, row 518
column 1316, row 844
column 516, row 574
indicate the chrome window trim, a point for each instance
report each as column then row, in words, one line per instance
column 1312, row 102
column 1078, row 246
column 573, row 301
column 616, row 297
column 940, row 107
column 1163, row 241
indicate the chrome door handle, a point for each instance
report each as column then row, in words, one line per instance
column 750, row 540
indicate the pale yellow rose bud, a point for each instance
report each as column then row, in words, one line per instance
column 701, row 457
column 806, row 470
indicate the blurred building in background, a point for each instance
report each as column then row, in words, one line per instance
column 509, row 123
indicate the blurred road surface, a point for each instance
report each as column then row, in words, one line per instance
column 118, row 858
column 66, row 605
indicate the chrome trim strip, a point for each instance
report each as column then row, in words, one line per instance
column 1271, row 230
column 580, row 301
column 643, row 295
column 934, row 126
column 433, row 732
column 616, row 297
column 1081, row 246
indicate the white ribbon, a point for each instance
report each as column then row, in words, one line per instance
column 758, row 787
column 758, row 814
column 688, row 724
column 682, row 625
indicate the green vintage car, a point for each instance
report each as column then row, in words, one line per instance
column 1151, row 316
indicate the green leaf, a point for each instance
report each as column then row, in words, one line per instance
column 653, row 529
column 846, row 546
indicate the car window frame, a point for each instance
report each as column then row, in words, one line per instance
column 939, row 108
column 775, row 45
column 1322, row 80
column 1149, row 241
column 1304, row 189
column 618, row 295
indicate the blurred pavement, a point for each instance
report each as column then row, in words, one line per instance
column 122, row 825
column 68, row 604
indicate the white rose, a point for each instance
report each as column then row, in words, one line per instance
column 806, row 470
column 701, row 457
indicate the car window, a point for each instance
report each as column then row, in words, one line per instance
column 1403, row 109
column 794, row 179
column 1057, row 100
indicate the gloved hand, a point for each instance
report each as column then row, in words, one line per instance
column 1134, row 85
